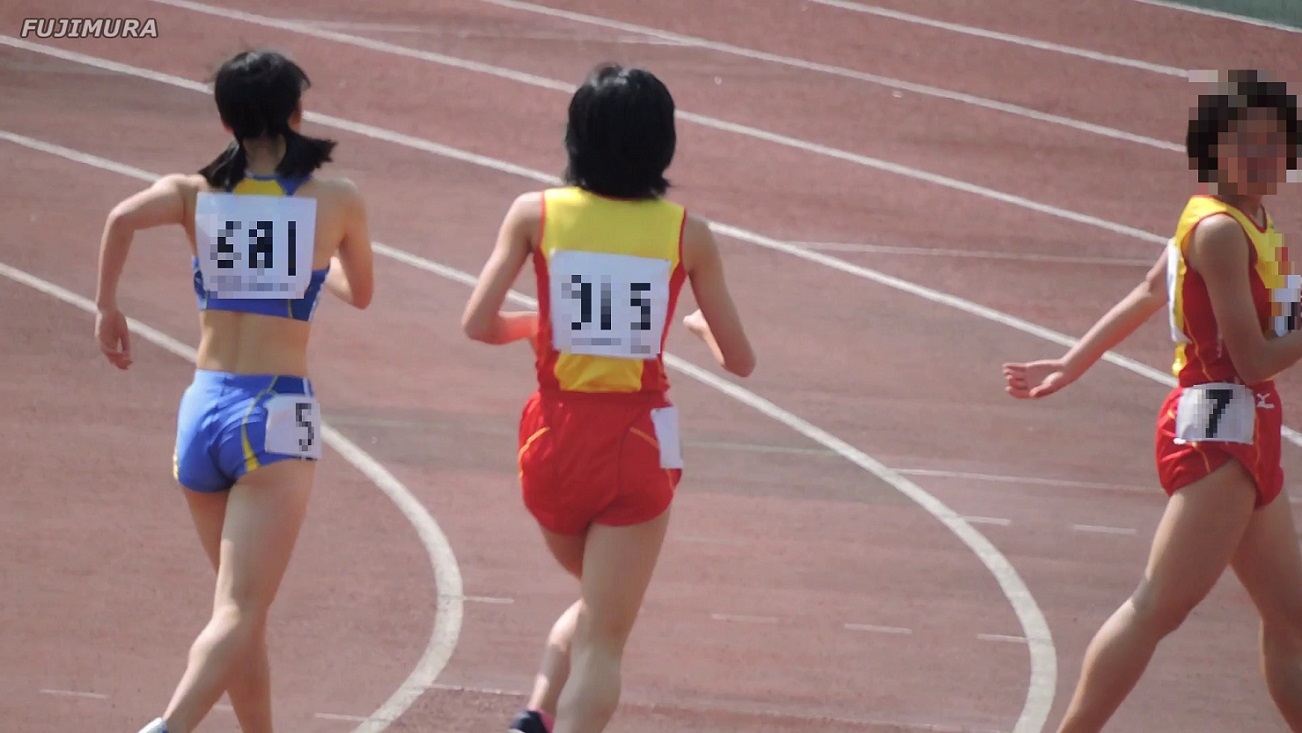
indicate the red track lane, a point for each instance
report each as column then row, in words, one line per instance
column 835, row 546
column 772, row 497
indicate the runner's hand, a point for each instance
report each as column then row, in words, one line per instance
column 114, row 337
column 695, row 322
column 1036, row 379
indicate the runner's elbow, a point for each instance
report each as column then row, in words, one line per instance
column 362, row 300
column 742, row 366
column 477, row 329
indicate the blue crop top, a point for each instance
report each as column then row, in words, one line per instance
column 299, row 309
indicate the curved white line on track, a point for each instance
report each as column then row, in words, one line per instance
column 447, row 574
column 1221, row 15
column 979, row 32
column 841, row 71
column 727, row 230
column 1043, row 658
column 703, row 120
column 988, row 34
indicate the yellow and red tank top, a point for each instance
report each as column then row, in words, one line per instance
column 1200, row 353
column 609, row 272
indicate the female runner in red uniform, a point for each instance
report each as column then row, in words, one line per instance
column 599, row 451
column 1232, row 300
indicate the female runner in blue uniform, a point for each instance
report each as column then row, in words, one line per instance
column 266, row 235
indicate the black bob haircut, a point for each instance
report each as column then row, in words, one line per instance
column 620, row 138
column 257, row 92
column 1240, row 91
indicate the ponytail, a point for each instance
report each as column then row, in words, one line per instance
column 226, row 169
column 303, row 155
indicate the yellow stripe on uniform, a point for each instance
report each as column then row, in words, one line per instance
column 250, row 457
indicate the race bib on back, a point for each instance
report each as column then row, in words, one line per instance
column 255, row 246
column 608, row 304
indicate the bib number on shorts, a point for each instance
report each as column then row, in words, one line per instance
column 608, row 304
column 293, row 426
column 665, row 421
column 256, row 247
column 1219, row 412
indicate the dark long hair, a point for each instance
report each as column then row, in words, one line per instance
column 257, row 92
column 620, row 138
column 1240, row 91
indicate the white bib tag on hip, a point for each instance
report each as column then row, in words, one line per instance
column 258, row 247
column 608, row 304
column 1219, row 412
column 293, row 426
column 665, row 420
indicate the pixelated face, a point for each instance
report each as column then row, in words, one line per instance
column 1253, row 153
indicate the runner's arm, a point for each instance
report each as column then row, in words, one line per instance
column 1147, row 298
column 161, row 204
column 716, row 322
column 352, row 268
column 1219, row 254
column 483, row 319
column 1037, row 379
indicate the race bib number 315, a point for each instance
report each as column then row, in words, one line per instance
column 255, row 246
column 608, row 304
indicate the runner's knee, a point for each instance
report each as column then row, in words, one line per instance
column 1162, row 610
column 604, row 628
column 245, row 609
column 1282, row 634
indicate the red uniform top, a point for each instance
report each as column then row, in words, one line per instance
column 1200, row 353
column 609, row 273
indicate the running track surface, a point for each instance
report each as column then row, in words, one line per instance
column 798, row 592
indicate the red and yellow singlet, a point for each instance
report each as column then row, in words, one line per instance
column 1200, row 353
column 609, row 273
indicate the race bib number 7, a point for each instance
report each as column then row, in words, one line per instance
column 255, row 246
column 1220, row 413
column 293, row 426
column 608, row 304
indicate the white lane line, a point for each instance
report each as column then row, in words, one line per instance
column 447, row 574
column 1098, row 529
column 463, row 34
column 899, row 630
column 344, row 718
column 1222, row 15
column 988, row 34
column 1003, row 638
column 997, row 478
column 970, row 254
column 831, row 70
column 1043, row 658
column 74, row 693
column 705, row 121
column 491, row 600
column 743, row 619
column 997, row 521
column 939, row 297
